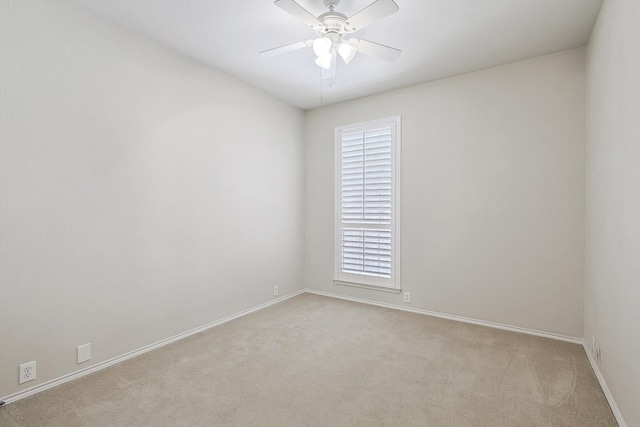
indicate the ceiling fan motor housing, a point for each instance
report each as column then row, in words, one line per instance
column 334, row 22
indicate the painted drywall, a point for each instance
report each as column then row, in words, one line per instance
column 612, row 275
column 141, row 194
column 492, row 193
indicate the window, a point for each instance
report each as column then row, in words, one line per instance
column 367, row 204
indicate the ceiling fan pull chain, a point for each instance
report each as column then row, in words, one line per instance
column 321, row 87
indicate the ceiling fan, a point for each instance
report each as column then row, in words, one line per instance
column 331, row 27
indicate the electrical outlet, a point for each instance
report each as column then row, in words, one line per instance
column 27, row 372
column 593, row 346
column 598, row 354
column 84, row 352
column 407, row 297
column 275, row 291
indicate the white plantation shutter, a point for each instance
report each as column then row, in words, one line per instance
column 366, row 251
column 367, row 203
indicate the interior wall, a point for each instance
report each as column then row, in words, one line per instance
column 612, row 282
column 492, row 193
column 142, row 194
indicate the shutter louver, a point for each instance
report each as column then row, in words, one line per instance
column 366, row 179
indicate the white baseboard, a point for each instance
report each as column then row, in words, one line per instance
column 453, row 317
column 605, row 388
column 99, row 366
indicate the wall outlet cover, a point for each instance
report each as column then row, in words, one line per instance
column 27, row 372
column 84, row 352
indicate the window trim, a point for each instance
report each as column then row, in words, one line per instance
column 363, row 281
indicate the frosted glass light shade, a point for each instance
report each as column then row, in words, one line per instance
column 321, row 46
column 324, row 61
column 347, row 52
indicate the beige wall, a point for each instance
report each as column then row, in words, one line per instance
column 142, row 194
column 612, row 285
column 492, row 193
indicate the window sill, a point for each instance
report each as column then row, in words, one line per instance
column 372, row 287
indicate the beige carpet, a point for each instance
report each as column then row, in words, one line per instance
column 316, row 361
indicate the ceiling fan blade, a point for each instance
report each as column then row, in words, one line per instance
column 286, row 48
column 331, row 72
column 299, row 12
column 381, row 51
column 375, row 11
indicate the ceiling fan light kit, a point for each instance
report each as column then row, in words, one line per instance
column 331, row 27
column 347, row 51
column 324, row 61
column 322, row 46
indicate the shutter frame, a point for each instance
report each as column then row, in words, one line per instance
column 367, row 204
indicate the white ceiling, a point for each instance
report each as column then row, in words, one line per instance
column 438, row 38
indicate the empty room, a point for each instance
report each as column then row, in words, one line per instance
column 320, row 213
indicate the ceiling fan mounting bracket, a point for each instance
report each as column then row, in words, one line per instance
column 331, row 4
